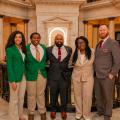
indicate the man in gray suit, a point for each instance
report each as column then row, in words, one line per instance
column 59, row 56
column 106, row 64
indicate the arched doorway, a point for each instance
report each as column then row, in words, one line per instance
column 53, row 31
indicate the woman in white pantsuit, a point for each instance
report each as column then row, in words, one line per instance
column 82, row 78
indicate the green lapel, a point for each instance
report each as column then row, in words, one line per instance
column 17, row 52
column 32, row 55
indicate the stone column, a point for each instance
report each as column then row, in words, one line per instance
column 13, row 27
column 81, row 28
column 85, row 28
column 1, row 38
column 26, row 29
column 112, row 27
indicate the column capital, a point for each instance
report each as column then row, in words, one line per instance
column 96, row 25
column 2, row 16
column 26, row 20
column 13, row 24
column 111, row 18
column 85, row 21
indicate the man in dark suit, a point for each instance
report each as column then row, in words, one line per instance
column 106, row 64
column 58, row 56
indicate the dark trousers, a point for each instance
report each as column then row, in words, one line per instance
column 58, row 87
column 104, row 96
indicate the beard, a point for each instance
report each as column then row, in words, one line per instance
column 59, row 44
column 104, row 36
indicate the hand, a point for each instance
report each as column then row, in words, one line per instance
column 14, row 86
column 110, row 76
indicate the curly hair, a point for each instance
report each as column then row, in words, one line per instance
column 11, row 41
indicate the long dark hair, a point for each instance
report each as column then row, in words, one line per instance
column 11, row 41
column 87, row 49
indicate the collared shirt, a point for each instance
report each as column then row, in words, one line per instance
column 104, row 40
column 33, row 51
column 63, row 52
column 22, row 54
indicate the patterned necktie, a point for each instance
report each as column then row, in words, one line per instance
column 37, row 54
column 100, row 43
column 59, row 55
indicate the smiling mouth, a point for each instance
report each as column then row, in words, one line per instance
column 36, row 41
column 18, row 41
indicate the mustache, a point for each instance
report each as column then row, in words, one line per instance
column 60, row 44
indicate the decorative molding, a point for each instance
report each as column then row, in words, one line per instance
column 57, row 20
column 2, row 16
column 96, row 26
column 26, row 20
column 111, row 18
column 13, row 24
column 97, row 4
column 116, row 3
column 85, row 21
column 18, row 2
column 80, row 2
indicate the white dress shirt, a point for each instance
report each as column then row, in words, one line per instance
column 63, row 52
column 22, row 54
column 33, row 51
column 104, row 40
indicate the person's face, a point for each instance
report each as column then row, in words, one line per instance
column 18, row 39
column 103, row 32
column 81, row 45
column 59, row 40
column 35, row 39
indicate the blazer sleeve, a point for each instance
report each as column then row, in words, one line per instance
column 70, row 52
column 92, row 56
column 116, row 58
column 9, row 59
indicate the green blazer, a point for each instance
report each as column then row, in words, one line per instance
column 15, row 64
column 33, row 66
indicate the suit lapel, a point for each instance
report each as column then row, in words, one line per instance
column 52, row 53
column 33, row 56
column 31, row 53
column 67, row 53
column 18, row 53
column 55, row 57
column 106, row 43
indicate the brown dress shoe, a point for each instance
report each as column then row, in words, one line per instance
column 30, row 117
column 43, row 116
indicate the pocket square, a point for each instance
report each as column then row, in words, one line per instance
column 106, row 50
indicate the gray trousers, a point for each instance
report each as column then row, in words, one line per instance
column 104, row 96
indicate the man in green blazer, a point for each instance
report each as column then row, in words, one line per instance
column 36, row 76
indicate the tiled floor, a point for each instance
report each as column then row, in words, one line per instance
column 71, row 116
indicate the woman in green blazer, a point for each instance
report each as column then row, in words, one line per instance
column 15, row 58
